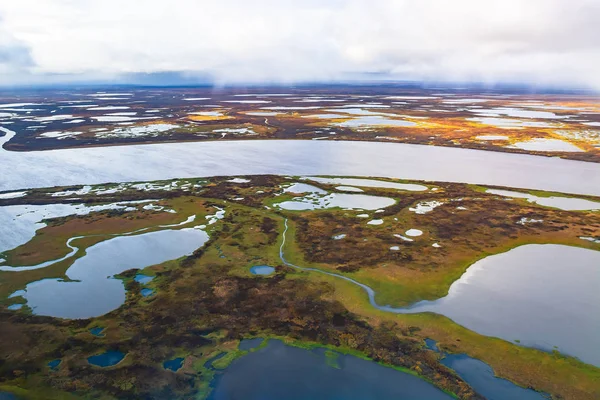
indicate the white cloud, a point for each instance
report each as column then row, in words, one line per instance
column 537, row 41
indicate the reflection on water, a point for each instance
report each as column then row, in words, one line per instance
column 369, row 183
column 91, row 290
column 294, row 157
column 316, row 201
column 277, row 371
column 541, row 295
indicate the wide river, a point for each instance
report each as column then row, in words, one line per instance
column 292, row 157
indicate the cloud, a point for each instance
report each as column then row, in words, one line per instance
column 233, row 41
column 15, row 56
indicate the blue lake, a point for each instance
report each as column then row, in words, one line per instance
column 174, row 364
column 143, row 279
column 278, row 371
column 97, row 331
column 54, row 364
column 431, row 345
column 15, row 307
column 107, row 359
column 262, row 270
column 147, row 292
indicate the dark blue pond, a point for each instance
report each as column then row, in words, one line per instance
column 481, row 378
column 277, row 371
column 107, row 359
column 97, row 331
column 54, row 364
column 174, row 364
column 147, row 292
column 249, row 344
column 7, row 396
column 143, row 279
column 262, row 270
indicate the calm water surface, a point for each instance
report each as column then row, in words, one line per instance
column 106, row 359
column 174, row 364
column 92, row 291
column 278, row 372
column 482, row 379
column 294, row 157
column 262, row 270
column 542, row 295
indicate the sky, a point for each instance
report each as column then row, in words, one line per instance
column 534, row 42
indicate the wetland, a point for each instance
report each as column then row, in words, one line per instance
column 225, row 278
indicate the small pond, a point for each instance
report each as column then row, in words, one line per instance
column 54, row 364
column 97, row 331
column 317, row 201
column 278, row 371
column 106, row 359
column 262, row 270
column 174, row 364
column 143, row 279
column 147, row 292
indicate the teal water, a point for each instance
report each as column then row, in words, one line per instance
column 54, row 364
column 97, row 331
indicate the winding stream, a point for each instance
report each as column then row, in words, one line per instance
column 526, row 295
column 92, row 290
column 75, row 249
